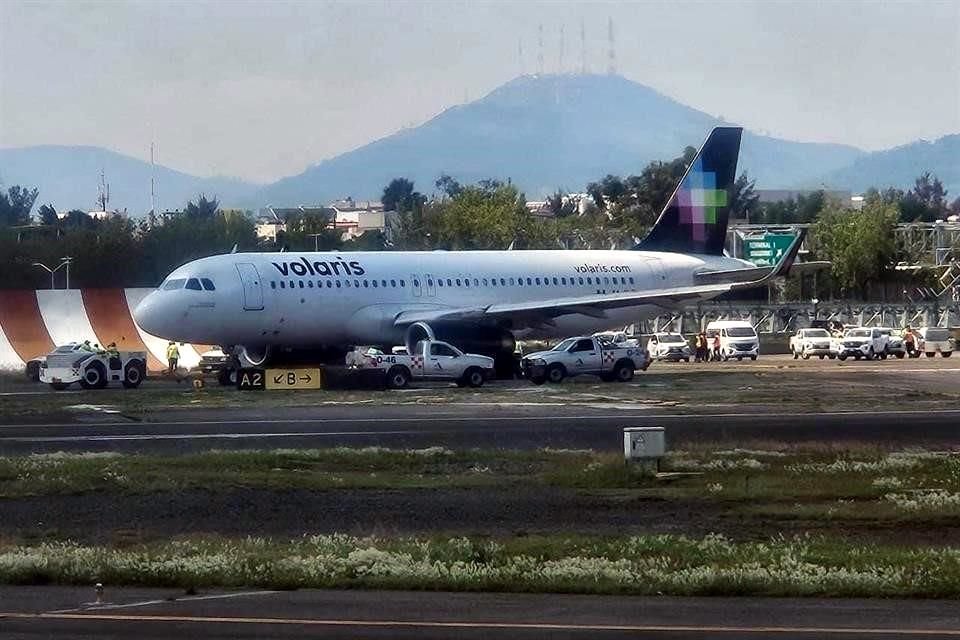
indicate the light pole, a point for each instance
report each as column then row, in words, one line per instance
column 65, row 263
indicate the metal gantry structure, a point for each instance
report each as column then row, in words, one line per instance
column 786, row 318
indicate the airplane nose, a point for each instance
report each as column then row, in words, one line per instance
column 149, row 315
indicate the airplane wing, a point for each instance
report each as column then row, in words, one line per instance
column 542, row 311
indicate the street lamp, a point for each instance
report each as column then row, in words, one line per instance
column 65, row 263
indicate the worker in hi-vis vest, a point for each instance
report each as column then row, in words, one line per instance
column 173, row 356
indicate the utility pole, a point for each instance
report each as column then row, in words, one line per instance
column 66, row 261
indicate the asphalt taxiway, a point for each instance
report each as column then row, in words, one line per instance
column 42, row 612
column 466, row 426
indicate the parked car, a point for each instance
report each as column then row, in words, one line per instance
column 812, row 342
column 738, row 339
column 863, row 342
column 895, row 345
column 618, row 337
column 934, row 339
column 669, row 346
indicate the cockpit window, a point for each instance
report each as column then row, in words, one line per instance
column 207, row 284
column 193, row 284
column 176, row 283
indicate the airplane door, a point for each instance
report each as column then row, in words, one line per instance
column 252, row 289
column 417, row 285
column 431, row 286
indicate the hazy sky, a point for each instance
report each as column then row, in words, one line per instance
column 263, row 89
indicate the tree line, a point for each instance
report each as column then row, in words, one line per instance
column 612, row 212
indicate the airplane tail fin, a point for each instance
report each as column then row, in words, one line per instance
column 695, row 218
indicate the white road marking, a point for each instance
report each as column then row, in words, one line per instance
column 103, row 606
column 203, row 436
column 435, row 418
column 516, row 626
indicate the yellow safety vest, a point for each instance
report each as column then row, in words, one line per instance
column 173, row 352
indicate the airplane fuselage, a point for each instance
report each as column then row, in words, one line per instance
column 342, row 299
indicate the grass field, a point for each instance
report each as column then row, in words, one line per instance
column 860, row 480
column 651, row 565
column 841, row 488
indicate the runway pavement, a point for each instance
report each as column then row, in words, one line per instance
column 465, row 425
column 41, row 612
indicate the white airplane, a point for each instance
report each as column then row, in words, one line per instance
column 269, row 304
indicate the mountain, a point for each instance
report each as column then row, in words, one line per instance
column 545, row 132
column 900, row 166
column 68, row 176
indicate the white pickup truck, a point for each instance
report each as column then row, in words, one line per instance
column 433, row 360
column 585, row 354
column 92, row 369
column 863, row 342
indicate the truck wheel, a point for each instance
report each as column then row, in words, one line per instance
column 832, row 356
column 753, row 358
column 686, row 359
column 473, row 377
column 133, row 374
column 900, row 355
column 623, row 371
column 95, row 377
column 398, row 377
column 820, row 356
column 842, row 357
column 739, row 358
column 537, row 380
column 556, row 373
column 805, row 355
column 884, row 354
column 930, row 354
column 945, row 354
column 59, row 386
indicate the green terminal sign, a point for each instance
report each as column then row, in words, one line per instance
column 767, row 249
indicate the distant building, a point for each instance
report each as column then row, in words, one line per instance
column 352, row 218
column 781, row 195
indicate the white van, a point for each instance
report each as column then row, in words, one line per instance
column 738, row 339
column 933, row 339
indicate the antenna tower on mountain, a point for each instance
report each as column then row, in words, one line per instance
column 540, row 50
column 583, row 48
column 612, row 54
column 154, row 201
column 103, row 192
column 562, row 43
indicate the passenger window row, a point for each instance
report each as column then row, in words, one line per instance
column 456, row 282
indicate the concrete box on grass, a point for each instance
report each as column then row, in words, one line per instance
column 644, row 443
